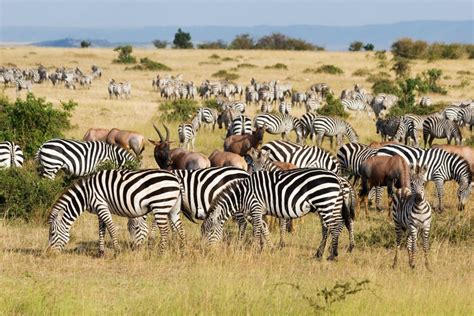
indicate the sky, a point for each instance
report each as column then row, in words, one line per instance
column 140, row 13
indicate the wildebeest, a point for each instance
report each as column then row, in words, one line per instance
column 225, row 159
column 389, row 171
column 96, row 134
column 387, row 127
column 127, row 139
column 240, row 144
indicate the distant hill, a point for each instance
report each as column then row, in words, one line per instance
column 70, row 42
column 331, row 37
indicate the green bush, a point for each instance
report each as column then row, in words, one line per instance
column 148, row 64
column 33, row 121
column 223, row 74
column 279, row 41
column 384, row 86
column 381, row 75
column 246, row 65
column 228, row 59
column 26, row 196
column 85, row 44
column 211, row 103
column 356, row 46
column 361, row 72
column 401, row 67
column 182, row 40
column 407, row 48
column 125, row 55
column 242, row 41
column 178, row 110
column 214, row 56
column 219, row 44
column 333, row 107
column 160, row 44
column 369, row 47
column 329, row 69
column 278, row 66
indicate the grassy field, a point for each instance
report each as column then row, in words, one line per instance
column 233, row 278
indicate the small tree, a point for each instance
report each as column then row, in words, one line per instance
column 382, row 58
column 356, row 46
column 182, row 40
column 242, row 41
column 401, row 67
column 160, row 44
column 125, row 55
column 85, row 44
column 369, row 47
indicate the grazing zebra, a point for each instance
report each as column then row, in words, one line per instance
column 312, row 105
column 251, row 96
column 301, row 155
column 78, row 158
column 120, row 192
column 187, row 132
column 207, row 116
column 266, row 107
column 333, row 126
column 425, row 101
column 351, row 156
column 434, row 127
column 355, row 105
column 307, row 123
column 241, row 125
column 298, row 98
column 412, row 215
column 11, row 155
column 283, row 194
column 441, row 165
column 284, row 108
column 234, row 105
column 23, row 85
column 280, row 124
column 459, row 115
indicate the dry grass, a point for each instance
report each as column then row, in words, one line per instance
column 226, row 280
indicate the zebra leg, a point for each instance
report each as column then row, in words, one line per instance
column 411, row 244
column 398, row 232
column 322, row 245
column 283, row 223
column 426, row 245
column 335, row 230
column 439, row 195
column 242, row 223
column 161, row 219
column 319, row 140
column 106, row 217
column 378, row 199
column 177, row 224
column 102, row 229
column 257, row 220
column 350, row 230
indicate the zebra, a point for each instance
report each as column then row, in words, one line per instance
column 441, row 165
column 23, row 85
column 266, row 107
column 11, row 155
column 434, row 127
column 235, row 105
column 301, row 155
column 126, row 89
column 284, row 108
column 312, row 105
column 298, row 98
column 459, row 115
column 307, row 123
column 283, row 194
column 187, row 132
column 425, row 101
column 120, row 192
column 412, row 215
column 208, row 116
column 355, row 105
column 280, row 124
column 78, row 158
column 241, row 125
column 251, row 96
column 333, row 126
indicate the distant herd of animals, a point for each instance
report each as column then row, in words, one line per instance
column 249, row 180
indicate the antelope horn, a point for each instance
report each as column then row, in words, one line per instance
column 167, row 133
column 158, row 131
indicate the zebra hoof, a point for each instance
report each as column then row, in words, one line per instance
column 319, row 254
column 101, row 253
column 351, row 247
column 332, row 258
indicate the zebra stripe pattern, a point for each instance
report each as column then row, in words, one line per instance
column 241, row 125
column 333, row 126
column 207, row 116
column 11, row 155
column 187, row 132
column 283, row 194
column 284, row 108
column 78, row 158
column 120, row 192
column 435, row 127
column 412, row 215
column 301, row 155
column 280, row 124
column 459, row 115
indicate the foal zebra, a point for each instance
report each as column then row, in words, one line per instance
column 301, row 155
column 412, row 215
column 11, row 155
column 78, row 158
column 333, row 126
column 283, row 194
column 280, row 124
column 120, row 192
column 187, row 132
column 434, row 127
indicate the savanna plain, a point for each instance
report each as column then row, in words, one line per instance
column 232, row 278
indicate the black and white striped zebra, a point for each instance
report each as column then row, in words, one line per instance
column 120, row 192
column 435, row 127
column 78, row 158
column 11, row 155
column 22, row 84
column 207, row 116
column 187, row 132
column 351, row 156
column 412, row 215
column 425, row 101
column 459, row 115
column 333, row 126
column 307, row 124
column 284, row 108
column 355, row 105
column 280, row 124
column 298, row 98
column 312, row 105
column 441, row 167
column 241, row 125
column 283, row 194
column 301, row 155
column 234, row 105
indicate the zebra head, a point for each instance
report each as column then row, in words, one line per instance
column 138, row 230
column 257, row 160
column 464, row 190
column 122, row 156
column 417, row 182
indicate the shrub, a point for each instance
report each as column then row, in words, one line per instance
column 148, row 64
column 278, row 66
column 407, row 48
column 85, row 44
column 228, row 59
column 219, row 44
column 381, row 56
column 333, row 107
column 214, row 56
column 125, row 55
column 242, row 41
column 211, row 103
column 361, row 72
column 225, row 75
column 381, row 75
column 329, row 69
column 356, row 46
column 431, row 79
column 33, row 121
column 279, row 41
column 178, row 110
column 26, row 196
column 401, row 67
column 182, row 40
column 384, row 86
column 160, row 44
column 246, row 65
column 369, row 47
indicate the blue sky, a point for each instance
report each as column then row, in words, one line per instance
column 139, row 13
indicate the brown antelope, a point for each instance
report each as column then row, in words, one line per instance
column 377, row 145
column 466, row 152
column 127, row 139
column 96, row 134
column 225, row 159
column 162, row 148
column 389, row 171
column 240, row 144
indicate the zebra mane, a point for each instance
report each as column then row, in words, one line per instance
column 57, row 211
column 233, row 185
